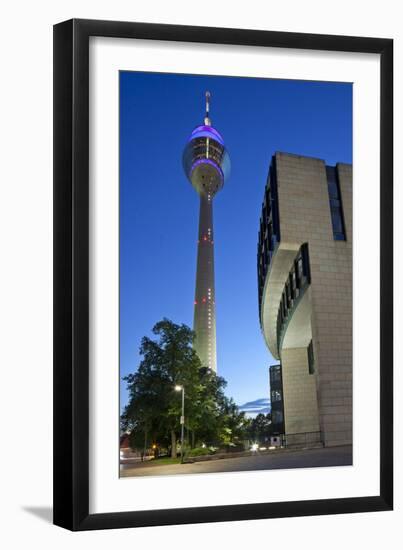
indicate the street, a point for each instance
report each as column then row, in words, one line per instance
column 306, row 458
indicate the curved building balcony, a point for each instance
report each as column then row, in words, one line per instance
column 285, row 306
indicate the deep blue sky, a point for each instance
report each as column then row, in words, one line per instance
column 159, row 208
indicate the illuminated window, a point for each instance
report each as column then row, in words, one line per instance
column 276, row 395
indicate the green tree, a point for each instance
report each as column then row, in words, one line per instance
column 234, row 421
column 154, row 408
column 260, row 428
column 153, row 412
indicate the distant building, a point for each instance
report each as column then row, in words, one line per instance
column 304, row 264
column 276, row 398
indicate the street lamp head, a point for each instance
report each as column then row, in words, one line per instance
column 178, row 387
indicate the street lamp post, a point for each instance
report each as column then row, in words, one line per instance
column 182, row 389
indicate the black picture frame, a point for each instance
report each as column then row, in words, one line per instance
column 71, row 274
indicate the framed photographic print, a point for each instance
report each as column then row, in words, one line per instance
column 223, row 260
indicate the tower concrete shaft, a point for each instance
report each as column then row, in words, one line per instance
column 204, row 320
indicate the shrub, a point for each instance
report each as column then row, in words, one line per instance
column 200, row 451
column 234, row 448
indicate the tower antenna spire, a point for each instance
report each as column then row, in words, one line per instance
column 207, row 119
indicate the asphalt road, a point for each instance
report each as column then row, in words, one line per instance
column 308, row 458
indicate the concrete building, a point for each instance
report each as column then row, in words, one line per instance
column 207, row 165
column 305, row 292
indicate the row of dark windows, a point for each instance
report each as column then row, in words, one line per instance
column 207, row 148
column 336, row 207
column 298, row 279
column 269, row 230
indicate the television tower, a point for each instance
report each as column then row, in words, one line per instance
column 207, row 165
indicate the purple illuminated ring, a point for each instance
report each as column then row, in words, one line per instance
column 206, row 131
column 207, row 161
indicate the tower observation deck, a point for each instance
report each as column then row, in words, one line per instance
column 207, row 165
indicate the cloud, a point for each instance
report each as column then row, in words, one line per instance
column 259, row 406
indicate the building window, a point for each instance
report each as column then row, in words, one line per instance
column 277, row 417
column 311, row 359
column 276, row 395
column 299, row 272
column 288, row 295
column 275, row 375
column 293, row 284
column 336, row 208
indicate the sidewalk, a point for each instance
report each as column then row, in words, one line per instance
column 266, row 460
